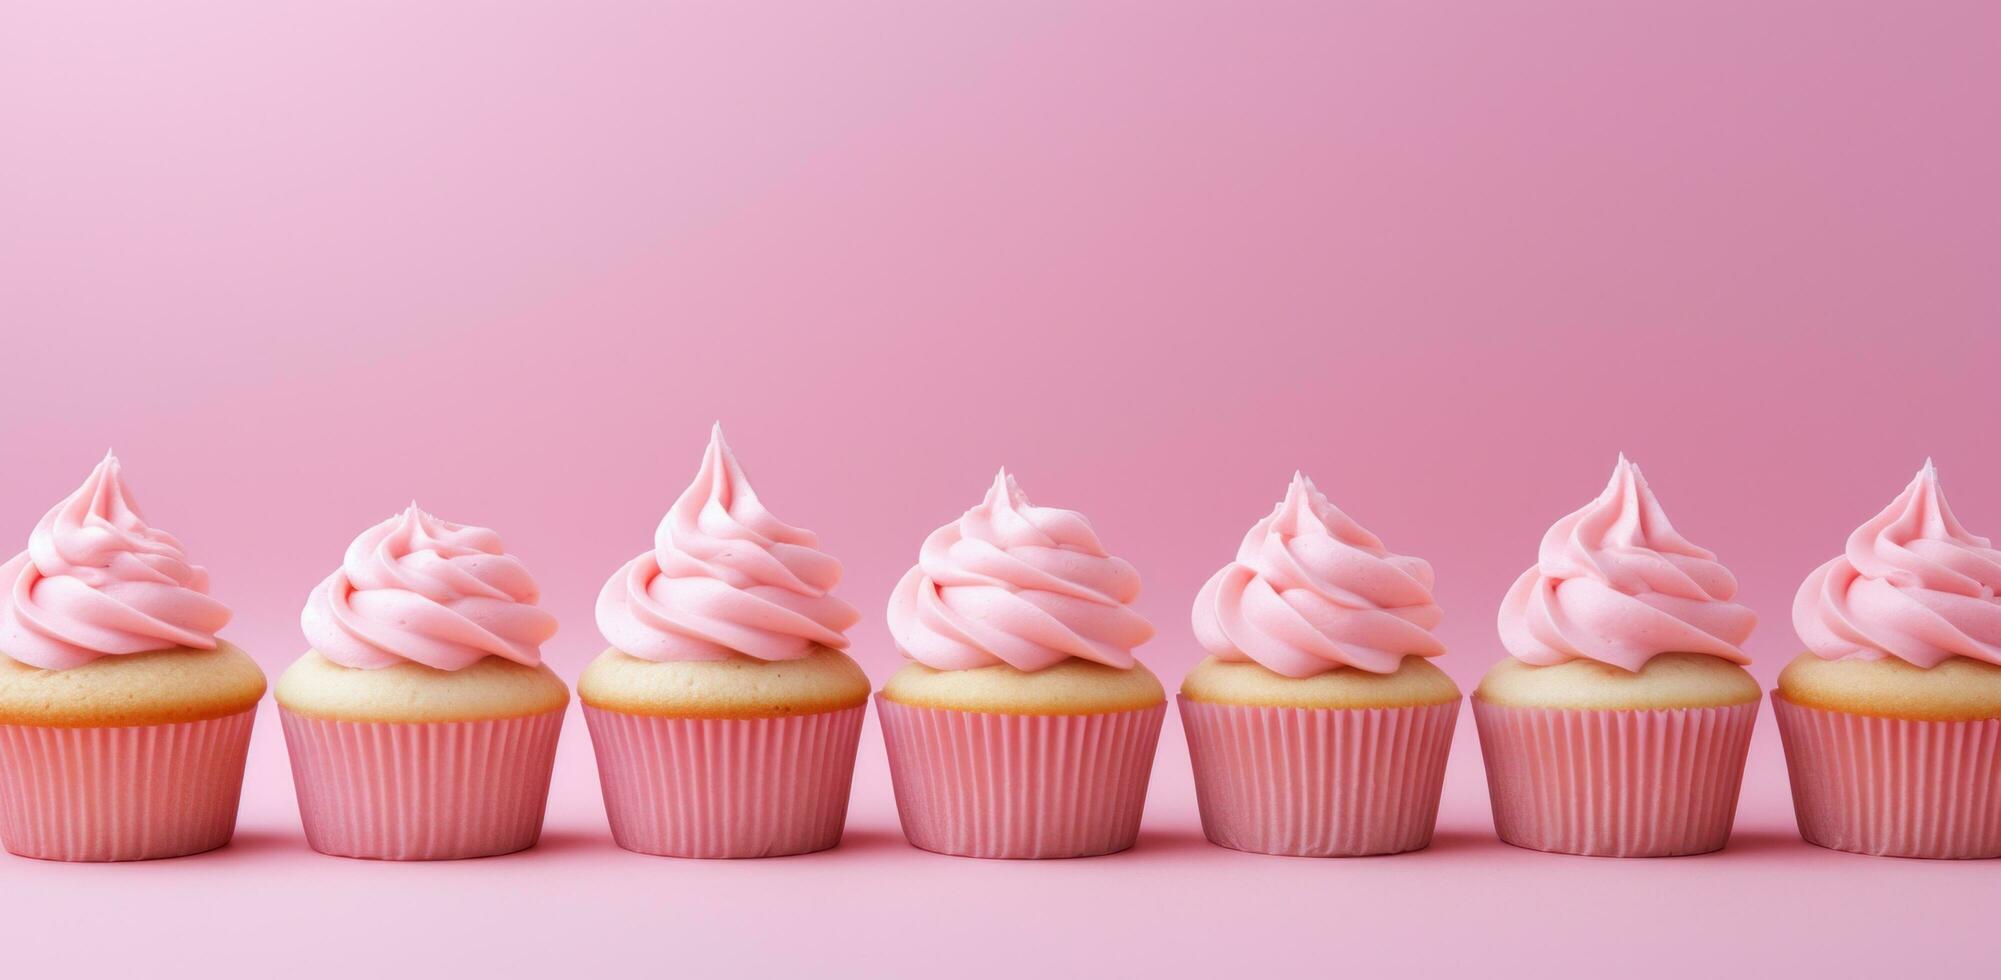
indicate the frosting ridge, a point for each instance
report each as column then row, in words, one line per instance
column 1016, row 584
column 96, row 580
column 1912, row 583
column 1312, row 590
column 1614, row 582
column 725, row 576
column 422, row 590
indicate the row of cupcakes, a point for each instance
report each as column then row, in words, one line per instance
column 726, row 717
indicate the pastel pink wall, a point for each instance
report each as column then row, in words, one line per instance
column 302, row 262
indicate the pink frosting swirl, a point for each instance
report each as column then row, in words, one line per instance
column 1912, row 584
column 1614, row 582
column 417, row 589
column 97, row 581
column 1311, row 590
column 725, row 577
column 1012, row 583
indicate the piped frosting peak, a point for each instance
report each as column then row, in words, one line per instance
column 1311, row 591
column 1614, row 582
column 1012, row 583
column 1912, row 583
column 417, row 589
column 97, row 581
column 725, row 577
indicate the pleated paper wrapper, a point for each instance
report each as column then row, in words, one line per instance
column 422, row 791
column 980, row 784
column 1318, row 782
column 121, row 794
column 1893, row 786
column 1640, row 783
column 726, row 787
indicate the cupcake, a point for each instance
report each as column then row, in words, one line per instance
column 422, row 722
column 725, row 714
column 1022, row 726
column 1318, row 727
column 1892, row 718
column 124, row 720
column 1620, row 724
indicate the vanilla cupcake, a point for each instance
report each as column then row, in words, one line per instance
column 1620, row 725
column 1022, row 727
column 422, row 723
column 124, row 720
column 1318, row 725
column 1892, row 718
column 725, row 714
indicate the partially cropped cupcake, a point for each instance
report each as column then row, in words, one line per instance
column 422, row 723
column 1892, row 718
column 725, row 715
column 1620, row 725
column 1022, row 727
column 1318, row 726
column 124, row 720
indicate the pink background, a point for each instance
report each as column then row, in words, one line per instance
column 300, row 262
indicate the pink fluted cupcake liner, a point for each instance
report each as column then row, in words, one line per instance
column 1615, row 783
column 726, row 787
column 1318, row 782
column 979, row 784
column 1892, row 786
column 121, row 794
column 422, row 791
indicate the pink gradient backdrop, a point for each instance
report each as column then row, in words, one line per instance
column 300, row 262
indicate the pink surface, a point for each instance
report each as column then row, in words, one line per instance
column 302, row 262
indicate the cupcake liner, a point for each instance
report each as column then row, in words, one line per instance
column 1643, row 783
column 980, row 784
column 1318, row 782
column 422, row 791
column 121, row 794
column 1893, row 786
column 726, row 787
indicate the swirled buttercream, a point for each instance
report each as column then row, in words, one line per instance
column 98, row 581
column 1012, row 583
column 417, row 589
column 1614, row 582
column 725, row 577
column 1912, row 583
column 1311, row 590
